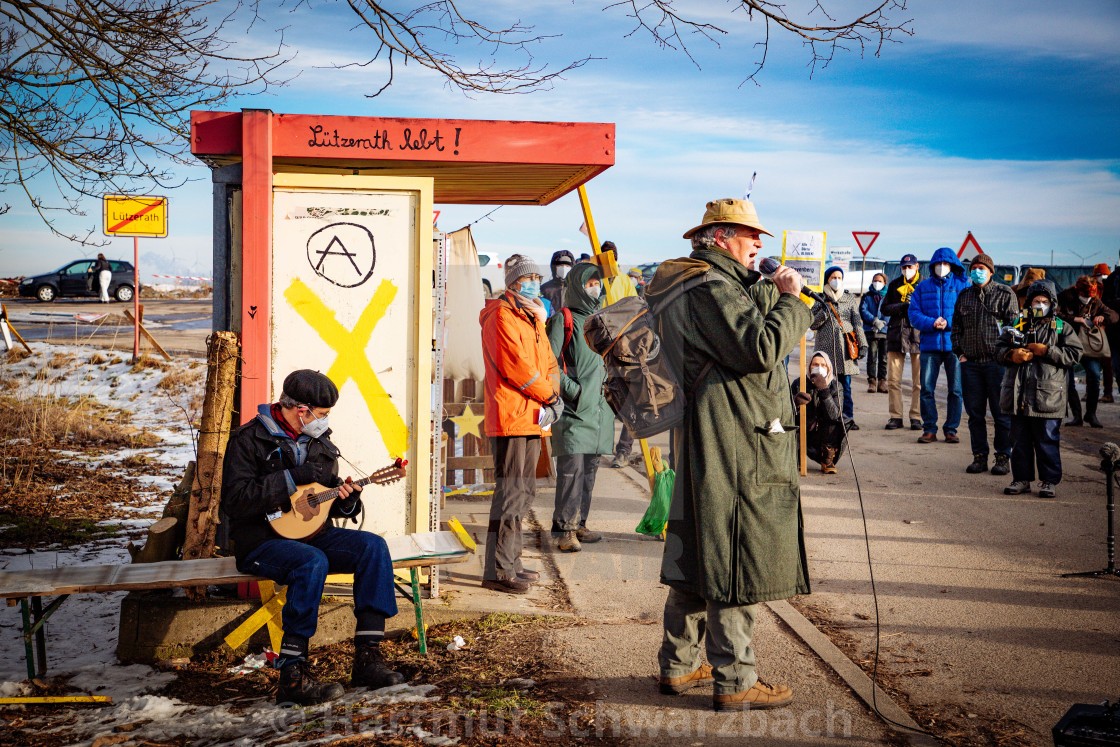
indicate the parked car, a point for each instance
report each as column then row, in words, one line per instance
column 492, row 274
column 74, row 280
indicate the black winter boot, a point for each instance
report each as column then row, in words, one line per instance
column 1091, row 409
column 370, row 669
column 979, row 464
column 1002, row 465
column 297, row 687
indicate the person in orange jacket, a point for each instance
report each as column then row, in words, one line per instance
column 522, row 401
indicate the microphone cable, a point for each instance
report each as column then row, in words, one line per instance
column 874, row 593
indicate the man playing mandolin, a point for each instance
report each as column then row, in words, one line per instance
column 286, row 446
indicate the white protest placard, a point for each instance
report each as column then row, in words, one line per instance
column 804, row 251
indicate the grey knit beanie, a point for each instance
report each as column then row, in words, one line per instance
column 519, row 265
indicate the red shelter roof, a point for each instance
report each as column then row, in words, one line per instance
column 472, row 161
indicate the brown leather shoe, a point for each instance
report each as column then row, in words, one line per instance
column 927, row 438
column 759, row 696
column 508, row 585
column 952, row 438
column 882, row 386
column 677, row 685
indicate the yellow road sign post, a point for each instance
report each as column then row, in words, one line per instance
column 135, row 216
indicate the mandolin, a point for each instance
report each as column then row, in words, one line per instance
column 311, row 504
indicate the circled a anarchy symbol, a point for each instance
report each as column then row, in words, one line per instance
column 342, row 253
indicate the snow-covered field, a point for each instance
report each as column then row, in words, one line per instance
column 82, row 634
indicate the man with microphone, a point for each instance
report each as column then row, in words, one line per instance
column 734, row 536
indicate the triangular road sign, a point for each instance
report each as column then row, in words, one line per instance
column 865, row 239
column 969, row 239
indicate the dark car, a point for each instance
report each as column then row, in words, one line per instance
column 74, row 279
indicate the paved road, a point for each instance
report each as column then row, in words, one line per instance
column 180, row 325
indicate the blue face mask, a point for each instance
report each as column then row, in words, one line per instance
column 979, row 276
column 530, row 288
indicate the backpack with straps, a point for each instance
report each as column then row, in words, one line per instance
column 641, row 386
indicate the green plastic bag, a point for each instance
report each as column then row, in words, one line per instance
column 657, row 515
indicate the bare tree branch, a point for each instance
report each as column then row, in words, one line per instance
column 868, row 31
column 97, row 94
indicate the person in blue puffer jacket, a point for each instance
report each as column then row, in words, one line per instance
column 931, row 312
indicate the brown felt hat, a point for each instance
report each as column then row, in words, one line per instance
column 984, row 259
column 729, row 210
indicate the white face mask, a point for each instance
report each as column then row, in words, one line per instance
column 1041, row 309
column 594, row 290
column 941, row 269
column 1084, row 300
column 314, row 428
column 909, row 272
column 562, row 271
column 877, row 285
column 834, row 283
column 818, row 371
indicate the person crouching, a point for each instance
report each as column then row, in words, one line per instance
column 824, row 420
column 1037, row 356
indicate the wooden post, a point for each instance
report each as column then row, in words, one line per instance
column 803, row 437
column 213, row 435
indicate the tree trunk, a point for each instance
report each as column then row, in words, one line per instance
column 213, row 435
column 166, row 536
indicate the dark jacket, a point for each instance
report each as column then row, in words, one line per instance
column 553, row 290
column 101, row 265
column 587, row 424
column 1070, row 308
column 937, row 297
column 870, row 309
column 823, row 413
column 735, row 531
column 979, row 317
column 256, row 481
column 1037, row 388
column 901, row 335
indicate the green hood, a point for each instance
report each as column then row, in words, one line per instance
column 575, row 295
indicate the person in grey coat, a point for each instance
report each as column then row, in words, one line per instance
column 832, row 321
column 1037, row 355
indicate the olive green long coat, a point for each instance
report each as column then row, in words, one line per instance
column 587, row 424
column 735, row 527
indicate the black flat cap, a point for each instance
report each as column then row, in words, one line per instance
column 311, row 388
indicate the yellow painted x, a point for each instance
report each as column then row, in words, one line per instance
column 352, row 362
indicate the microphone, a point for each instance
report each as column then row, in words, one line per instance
column 768, row 266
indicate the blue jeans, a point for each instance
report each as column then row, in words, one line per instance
column 849, row 411
column 1036, row 440
column 981, row 383
column 931, row 366
column 1092, row 368
column 302, row 566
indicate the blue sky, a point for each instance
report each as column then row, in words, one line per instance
column 999, row 117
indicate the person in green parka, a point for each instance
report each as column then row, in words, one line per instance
column 734, row 536
column 586, row 429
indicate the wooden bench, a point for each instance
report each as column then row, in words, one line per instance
column 28, row 587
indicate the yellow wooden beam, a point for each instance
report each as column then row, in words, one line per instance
column 58, row 699
column 253, row 623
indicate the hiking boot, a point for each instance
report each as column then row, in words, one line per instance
column 1045, row 490
column 1074, row 422
column 951, row 437
column 915, row 425
column 894, row 424
column 620, row 461
column 828, row 461
column 298, row 687
column 760, row 695
column 882, row 386
column 871, row 385
column 1018, row 488
column 979, row 464
column 1107, row 398
column 568, row 542
column 508, row 585
column 1091, row 419
column 369, row 669
column 927, row 438
column 851, row 426
column 586, row 536
column 1002, row 465
column 677, row 685
column 529, row 576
